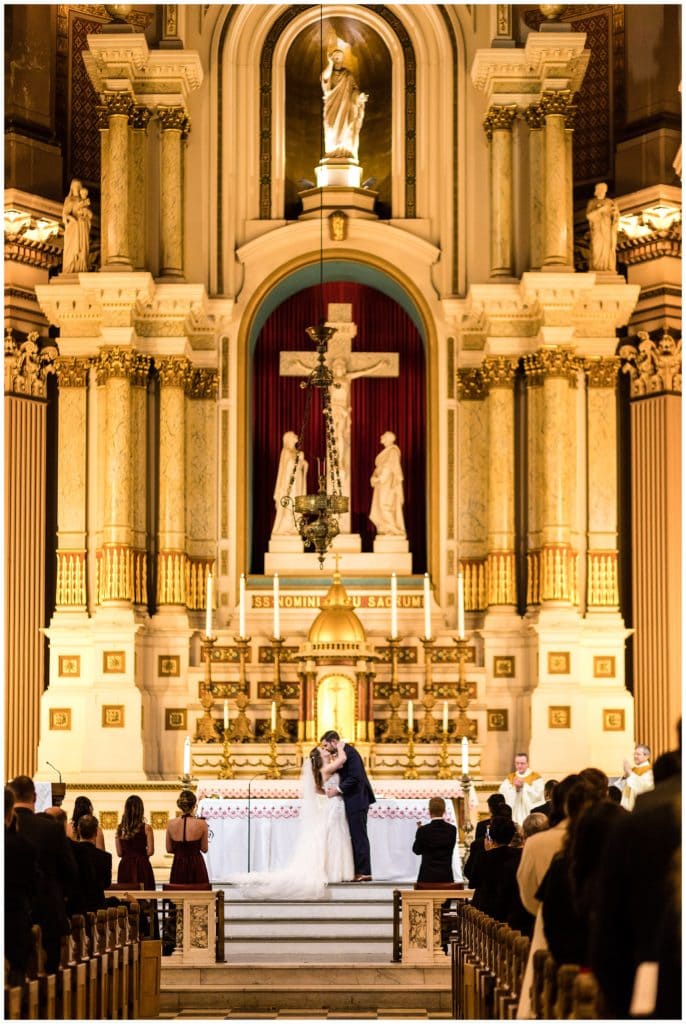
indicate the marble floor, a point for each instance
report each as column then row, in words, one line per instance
column 387, row 1015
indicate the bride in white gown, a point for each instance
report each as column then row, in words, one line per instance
column 323, row 851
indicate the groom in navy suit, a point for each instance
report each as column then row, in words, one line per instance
column 357, row 796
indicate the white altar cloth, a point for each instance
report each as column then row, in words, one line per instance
column 391, row 826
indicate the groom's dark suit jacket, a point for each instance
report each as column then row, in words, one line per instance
column 354, row 784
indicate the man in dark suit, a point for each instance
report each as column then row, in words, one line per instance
column 21, row 880
column 357, row 795
column 435, row 844
column 99, row 860
column 546, row 807
column 56, row 867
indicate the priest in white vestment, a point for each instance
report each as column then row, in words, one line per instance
column 639, row 778
column 522, row 789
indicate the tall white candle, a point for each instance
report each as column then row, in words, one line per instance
column 187, row 756
column 241, row 606
column 394, row 606
column 460, row 606
column 427, row 606
column 273, row 716
column 465, row 756
column 445, row 716
column 208, row 610
column 277, row 621
column 410, row 716
column 226, row 716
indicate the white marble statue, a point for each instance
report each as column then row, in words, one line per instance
column 284, row 523
column 78, row 217
column 344, row 107
column 603, row 218
column 388, row 498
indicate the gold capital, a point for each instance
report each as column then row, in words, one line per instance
column 174, row 371
column 534, row 117
column 202, row 383
column 470, row 385
column 555, row 101
column 602, row 372
column 174, row 119
column 118, row 104
column 72, row 371
column 500, row 117
column 498, row 371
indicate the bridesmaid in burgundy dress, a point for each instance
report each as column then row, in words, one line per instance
column 135, row 844
column 187, row 839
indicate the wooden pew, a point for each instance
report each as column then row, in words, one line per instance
column 133, row 994
column 65, row 981
column 103, row 958
column 13, row 1000
column 92, row 966
column 78, row 969
column 113, row 965
column 585, row 997
column 566, row 976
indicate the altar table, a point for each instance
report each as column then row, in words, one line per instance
column 273, row 825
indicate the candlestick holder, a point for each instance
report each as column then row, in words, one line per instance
column 411, row 770
column 467, row 827
column 277, row 693
column 227, row 768
column 463, row 726
column 207, row 731
column 187, row 781
column 444, row 760
column 394, row 730
column 274, row 771
column 428, row 728
column 241, row 729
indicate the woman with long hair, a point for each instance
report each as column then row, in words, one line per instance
column 187, row 839
column 83, row 806
column 135, row 844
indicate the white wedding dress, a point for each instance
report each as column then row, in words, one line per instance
column 322, row 853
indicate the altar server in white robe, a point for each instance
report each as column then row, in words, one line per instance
column 637, row 778
column 522, row 789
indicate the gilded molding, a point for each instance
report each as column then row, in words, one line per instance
column 555, row 101
column 140, row 117
column 500, row 578
column 498, row 372
column 70, row 591
column 500, row 117
column 114, row 577
column 174, row 371
column 534, row 117
column 470, row 385
column 570, row 117
column 602, row 587
column 72, row 371
column 196, row 581
column 202, row 383
column 533, row 577
column 140, row 576
column 474, row 574
column 118, row 104
column 653, row 368
column 27, row 366
column 121, row 362
column 102, row 120
column 558, row 573
column 174, row 119
column 602, row 372
column 171, row 577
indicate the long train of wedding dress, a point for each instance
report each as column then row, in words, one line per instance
column 322, row 852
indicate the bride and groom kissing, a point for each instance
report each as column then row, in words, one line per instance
column 331, row 842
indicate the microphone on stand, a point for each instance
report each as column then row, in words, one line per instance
column 250, row 782
column 51, row 765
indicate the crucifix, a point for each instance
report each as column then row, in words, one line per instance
column 346, row 366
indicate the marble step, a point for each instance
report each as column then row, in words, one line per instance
column 347, row 910
column 303, row 929
column 342, row 892
column 327, row 986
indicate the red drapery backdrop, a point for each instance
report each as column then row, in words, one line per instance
column 378, row 404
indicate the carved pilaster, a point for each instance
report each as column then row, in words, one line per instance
column 119, row 106
column 174, row 374
column 138, row 185
column 70, row 591
column 602, row 588
column 498, row 375
column 653, row 367
column 557, row 241
column 174, row 124
column 498, row 127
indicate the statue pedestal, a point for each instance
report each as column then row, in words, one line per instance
column 338, row 171
column 286, row 543
column 349, row 542
column 359, row 562
column 385, row 545
column 356, row 202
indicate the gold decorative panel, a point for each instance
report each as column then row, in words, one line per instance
column 108, row 820
column 60, row 719
column 613, row 720
column 267, row 691
column 159, row 820
column 69, row 665
column 558, row 663
column 169, row 665
column 114, row 662
column 113, row 716
column 497, row 720
column 604, row 667
column 175, row 719
column 559, row 717
column 407, row 690
column 503, row 666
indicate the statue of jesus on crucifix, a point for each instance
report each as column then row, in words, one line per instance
column 346, row 366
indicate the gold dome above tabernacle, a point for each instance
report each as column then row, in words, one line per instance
column 337, row 624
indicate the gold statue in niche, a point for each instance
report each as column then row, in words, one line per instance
column 336, row 705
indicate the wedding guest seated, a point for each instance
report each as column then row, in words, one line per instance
column 494, row 800
column 55, row 863
column 83, row 806
column 21, row 879
column 495, row 877
column 100, row 861
column 477, row 846
column 435, row 844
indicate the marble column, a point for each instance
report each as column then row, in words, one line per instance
column 556, row 242
column 535, row 479
column 498, row 376
column 171, row 559
column 138, row 184
column 602, row 588
column 140, row 378
column 72, row 499
column 174, row 127
column 472, row 485
column 534, row 118
column 119, row 107
column 365, row 703
column 498, row 127
column 554, row 567
column 656, row 526
column 116, row 370
column 201, row 480
column 103, row 123
column 570, row 120
column 26, row 370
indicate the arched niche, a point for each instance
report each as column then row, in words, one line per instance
column 336, row 705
